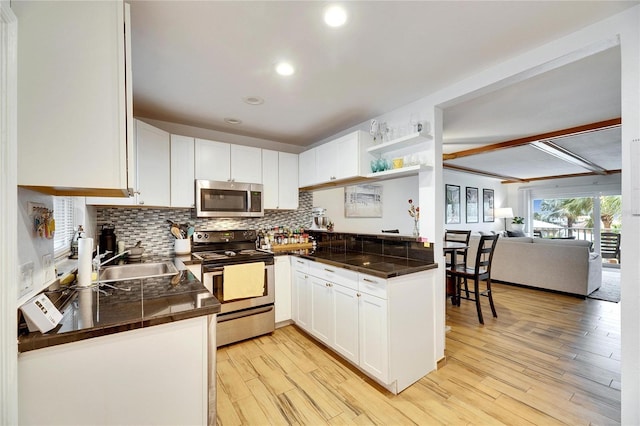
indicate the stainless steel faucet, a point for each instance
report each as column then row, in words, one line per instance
column 97, row 264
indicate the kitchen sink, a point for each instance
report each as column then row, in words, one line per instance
column 137, row 271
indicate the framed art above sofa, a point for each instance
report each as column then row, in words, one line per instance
column 452, row 203
column 487, row 205
column 472, row 205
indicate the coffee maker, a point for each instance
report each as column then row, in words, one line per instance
column 108, row 240
column 319, row 219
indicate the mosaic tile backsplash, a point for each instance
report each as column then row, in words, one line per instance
column 150, row 225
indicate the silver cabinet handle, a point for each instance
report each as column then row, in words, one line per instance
column 370, row 281
column 329, row 270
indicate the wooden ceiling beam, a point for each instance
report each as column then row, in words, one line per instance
column 509, row 179
column 586, row 128
column 608, row 172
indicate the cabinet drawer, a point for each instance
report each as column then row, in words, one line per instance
column 298, row 264
column 334, row 274
column 372, row 285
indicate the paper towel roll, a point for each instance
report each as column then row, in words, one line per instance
column 85, row 267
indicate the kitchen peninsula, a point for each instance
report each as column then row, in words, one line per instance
column 371, row 299
column 152, row 336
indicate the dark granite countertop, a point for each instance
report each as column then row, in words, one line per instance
column 148, row 302
column 378, row 265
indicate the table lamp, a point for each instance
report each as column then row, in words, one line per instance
column 504, row 213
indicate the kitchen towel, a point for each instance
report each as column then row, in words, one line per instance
column 85, row 267
column 242, row 281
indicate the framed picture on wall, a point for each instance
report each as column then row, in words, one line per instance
column 363, row 200
column 452, row 203
column 472, row 205
column 487, row 205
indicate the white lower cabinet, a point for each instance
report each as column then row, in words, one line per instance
column 373, row 334
column 282, row 272
column 383, row 326
column 153, row 375
column 301, row 311
column 345, row 322
column 321, row 309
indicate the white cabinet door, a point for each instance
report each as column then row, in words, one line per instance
column 182, row 171
column 327, row 162
column 282, row 270
column 226, row 162
column 373, row 331
column 280, row 179
column 72, row 110
column 347, row 156
column 287, row 181
column 302, row 300
column 212, row 160
column 307, row 175
column 153, row 165
column 270, row 189
column 345, row 322
column 246, row 164
column 321, row 309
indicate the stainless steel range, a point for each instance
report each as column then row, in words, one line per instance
column 241, row 278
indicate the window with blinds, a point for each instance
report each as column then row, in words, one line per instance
column 63, row 215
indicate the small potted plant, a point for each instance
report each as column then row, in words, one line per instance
column 517, row 223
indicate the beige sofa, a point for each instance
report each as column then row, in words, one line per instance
column 567, row 266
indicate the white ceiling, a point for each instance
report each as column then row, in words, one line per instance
column 194, row 62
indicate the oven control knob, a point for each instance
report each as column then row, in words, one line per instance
column 199, row 236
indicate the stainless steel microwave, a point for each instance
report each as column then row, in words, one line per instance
column 228, row 199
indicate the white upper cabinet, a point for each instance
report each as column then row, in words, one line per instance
column 212, row 160
column 74, row 99
column 280, row 179
column 307, row 174
column 288, row 180
column 153, row 171
column 182, row 171
column 225, row 162
column 338, row 160
column 151, row 186
column 246, row 164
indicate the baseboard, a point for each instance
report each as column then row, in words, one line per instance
column 284, row 323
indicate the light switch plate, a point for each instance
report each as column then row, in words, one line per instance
column 25, row 278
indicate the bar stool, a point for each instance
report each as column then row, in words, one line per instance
column 480, row 272
column 458, row 256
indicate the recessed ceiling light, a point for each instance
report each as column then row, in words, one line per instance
column 253, row 100
column 233, row 121
column 335, row 16
column 285, row 68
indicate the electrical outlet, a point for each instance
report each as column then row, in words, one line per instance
column 25, row 278
column 47, row 266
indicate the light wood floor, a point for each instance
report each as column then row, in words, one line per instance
column 547, row 359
